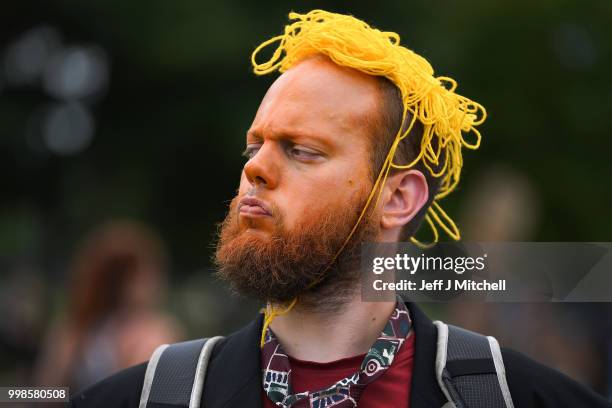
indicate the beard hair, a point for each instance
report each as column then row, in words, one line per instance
column 297, row 262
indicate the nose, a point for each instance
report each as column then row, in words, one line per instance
column 262, row 169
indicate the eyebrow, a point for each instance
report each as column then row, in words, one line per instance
column 294, row 136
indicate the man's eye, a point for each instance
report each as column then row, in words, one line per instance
column 302, row 153
column 250, row 151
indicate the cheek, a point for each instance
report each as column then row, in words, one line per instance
column 314, row 197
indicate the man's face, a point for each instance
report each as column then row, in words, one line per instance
column 305, row 182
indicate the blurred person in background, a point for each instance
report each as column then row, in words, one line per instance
column 111, row 322
column 510, row 204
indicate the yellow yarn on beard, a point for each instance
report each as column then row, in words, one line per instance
column 447, row 117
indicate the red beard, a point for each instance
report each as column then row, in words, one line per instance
column 298, row 262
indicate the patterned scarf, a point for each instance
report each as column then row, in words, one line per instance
column 346, row 392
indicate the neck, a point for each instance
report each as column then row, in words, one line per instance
column 324, row 336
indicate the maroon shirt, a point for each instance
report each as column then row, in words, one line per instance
column 392, row 389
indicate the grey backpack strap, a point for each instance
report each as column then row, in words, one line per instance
column 175, row 374
column 470, row 369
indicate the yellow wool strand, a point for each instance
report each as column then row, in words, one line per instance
column 270, row 313
column 447, row 117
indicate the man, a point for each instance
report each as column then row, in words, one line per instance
column 354, row 142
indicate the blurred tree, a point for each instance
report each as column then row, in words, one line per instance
column 169, row 127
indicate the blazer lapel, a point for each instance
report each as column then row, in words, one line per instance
column 424, row 391
column 233, row 377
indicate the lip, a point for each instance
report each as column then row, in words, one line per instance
column 254, row 207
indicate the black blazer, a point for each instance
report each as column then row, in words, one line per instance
column 233, row 378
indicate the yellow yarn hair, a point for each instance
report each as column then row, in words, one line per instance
column 444, row 114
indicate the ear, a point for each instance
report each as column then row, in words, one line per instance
column 404, row 194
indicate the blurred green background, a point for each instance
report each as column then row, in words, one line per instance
column 113, row 109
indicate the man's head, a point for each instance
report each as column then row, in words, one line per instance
column 328, row 165
column 311, row 158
